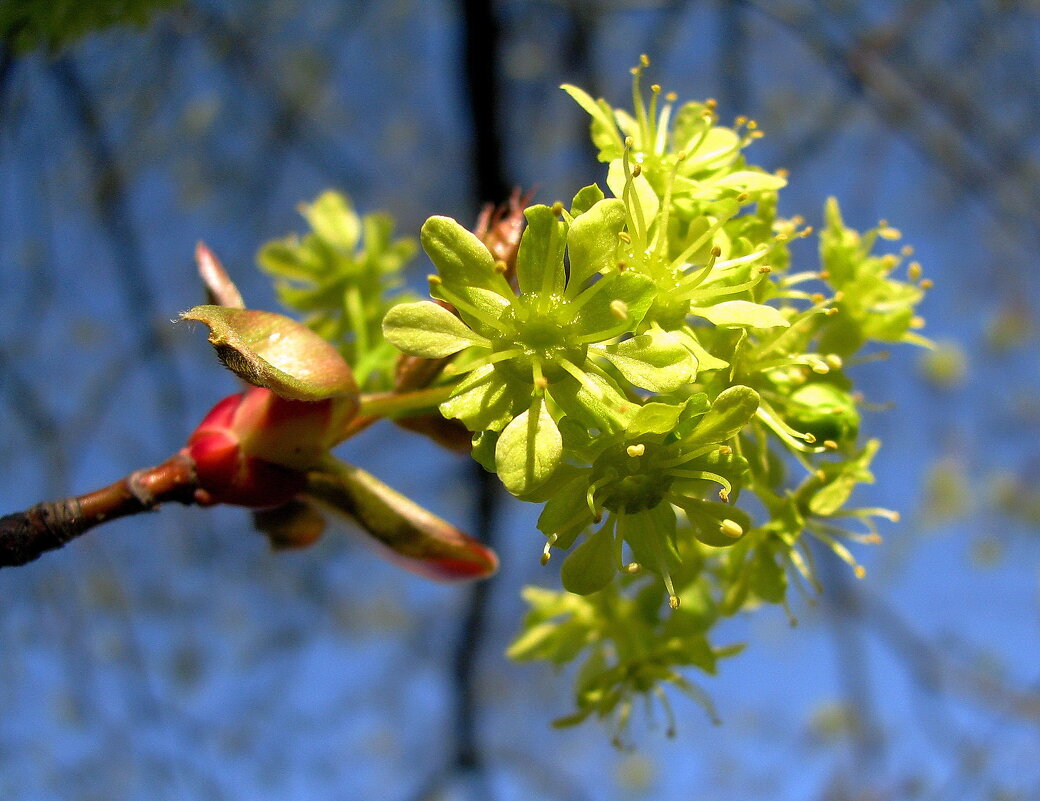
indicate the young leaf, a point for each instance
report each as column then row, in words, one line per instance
column 410, row 536
column 273, row 351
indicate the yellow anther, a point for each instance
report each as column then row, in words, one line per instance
column 913, row 271
column 821, row 368
column 636, row 450
column 501, row 266
column 725, row 450
column 731, row 528
column 723, row 495
column 655, row 88
column 644, row 60
column 671, row 97
column 625, row 237
column 927, row 283
column 632, row 568
column 673, row 602
column 557, row 208
column 859, row 571
column 916, row 322
column 541, row 382
column 834, row 360
column 716, row 251
column 434, row 280
column 740, row 120
column 765, row 269
column 743, row 196
column 830, row 444
column 637, row 170
column 817, row 298
column 888, row 232
column 619, row 309
column 629, row 141
column 809, row 437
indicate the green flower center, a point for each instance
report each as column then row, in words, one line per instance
column 543, row 337
column 630, row 483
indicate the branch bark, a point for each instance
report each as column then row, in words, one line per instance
column 25, row 536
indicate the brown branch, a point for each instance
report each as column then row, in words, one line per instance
column 24, row 536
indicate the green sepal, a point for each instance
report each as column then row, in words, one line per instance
column 591, row 566
column 566, row 513
column 656, row 361
column 596, row 320
column 529, row 450
column 654, row 418
column 730, row 412
column 592, row 242
column 585, row 199
column 428, row 330
column 841, row 478
column 478, row 307
column 824, row 410
column 767, row 578
column 604, row 132
column 597, row 402
column 651, row 536
column 539, row 261
column 483, row 451
column 483, row 400
column 706, row 520
column 274, row 351
column 742, row 313
column 460, row 257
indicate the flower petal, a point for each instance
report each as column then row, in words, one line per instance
column 428, row 330
column 529, row 450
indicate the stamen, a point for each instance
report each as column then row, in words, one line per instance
column 619, row 309
column 636, row 450
column 545, row 551
column 731, row 528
